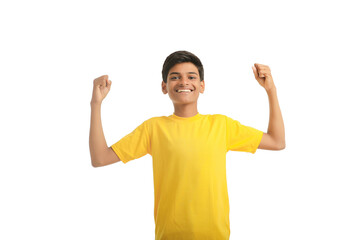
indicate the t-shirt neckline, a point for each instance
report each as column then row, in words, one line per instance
column 197, row 116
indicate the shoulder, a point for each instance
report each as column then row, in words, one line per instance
column 218, row 117
column 156, row 120
column 224, row 119
column 215, row 116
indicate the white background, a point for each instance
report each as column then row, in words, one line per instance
column 51, row 52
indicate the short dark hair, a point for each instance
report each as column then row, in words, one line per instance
column 181, row 57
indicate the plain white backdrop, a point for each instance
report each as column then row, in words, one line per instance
column 51, row 52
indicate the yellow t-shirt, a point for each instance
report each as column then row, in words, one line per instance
column 189, row 169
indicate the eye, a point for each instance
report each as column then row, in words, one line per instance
column 174, row 77
column 191, row 77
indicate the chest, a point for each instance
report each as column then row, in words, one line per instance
column 189, row 141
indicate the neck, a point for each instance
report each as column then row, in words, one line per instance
column 185, row 110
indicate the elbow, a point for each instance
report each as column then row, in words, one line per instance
column 96, row 164
column 281, row 146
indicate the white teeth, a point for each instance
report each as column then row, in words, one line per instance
column 184, row 90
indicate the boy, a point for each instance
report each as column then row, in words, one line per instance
column 188, row 150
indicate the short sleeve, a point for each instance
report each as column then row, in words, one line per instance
column 241, row 138
column 134, row 145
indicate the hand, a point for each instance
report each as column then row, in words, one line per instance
column 263, row 76
column 101, row 88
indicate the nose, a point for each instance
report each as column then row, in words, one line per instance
column 184, row 80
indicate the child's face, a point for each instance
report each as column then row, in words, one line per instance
column 183, row 76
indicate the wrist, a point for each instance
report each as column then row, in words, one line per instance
column 95, row 104
column 271, row 91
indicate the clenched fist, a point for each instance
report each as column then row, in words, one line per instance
column 101, row 88
column 262, row 74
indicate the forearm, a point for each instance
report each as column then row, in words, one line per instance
column 97, row 142
column 276, row 127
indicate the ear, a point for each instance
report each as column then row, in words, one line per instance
column 202, row 86
column 163, row 87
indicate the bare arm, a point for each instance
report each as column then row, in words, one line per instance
column 274, row 139
column 101, row 154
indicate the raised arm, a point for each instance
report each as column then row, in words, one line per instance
column 274, row 139
column 101, row 154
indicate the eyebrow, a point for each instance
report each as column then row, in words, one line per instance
column 179, row 73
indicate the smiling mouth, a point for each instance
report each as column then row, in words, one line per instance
column 184, row 91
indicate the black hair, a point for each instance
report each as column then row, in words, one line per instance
column 181, row 57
